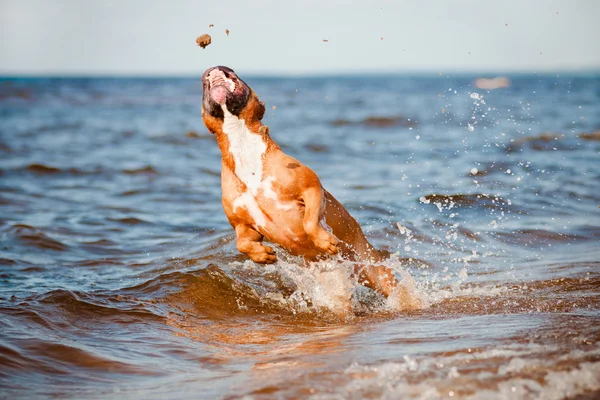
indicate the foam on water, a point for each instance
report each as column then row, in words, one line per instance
column 504, row 373
column 331, row 286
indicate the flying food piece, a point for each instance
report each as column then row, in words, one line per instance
column 211, row 25
column 203, row 40
column 227, row 32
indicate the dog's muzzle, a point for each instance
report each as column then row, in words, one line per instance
column 223, row 88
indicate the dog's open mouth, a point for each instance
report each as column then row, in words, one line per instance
column 219, row 85
column 222, row 87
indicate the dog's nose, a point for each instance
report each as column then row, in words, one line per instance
column 207, row 72
column 226, row 70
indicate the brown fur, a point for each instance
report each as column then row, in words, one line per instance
column 298, row 229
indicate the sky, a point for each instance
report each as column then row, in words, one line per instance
column 157, row 37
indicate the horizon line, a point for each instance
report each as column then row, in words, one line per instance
column 311, row 74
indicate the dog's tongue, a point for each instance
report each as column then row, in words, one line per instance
column 219, row 94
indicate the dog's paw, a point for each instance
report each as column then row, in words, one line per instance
column 264, row 257
column 327, row 242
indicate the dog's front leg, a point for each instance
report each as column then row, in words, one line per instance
column 313, row 211
column 249, row 243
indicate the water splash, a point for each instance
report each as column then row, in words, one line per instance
column 331, row 287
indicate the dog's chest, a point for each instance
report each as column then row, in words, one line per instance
column 248, row 150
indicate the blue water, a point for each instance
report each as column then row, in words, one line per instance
column 119, row 275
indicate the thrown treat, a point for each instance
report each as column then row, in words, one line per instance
column 203, row 40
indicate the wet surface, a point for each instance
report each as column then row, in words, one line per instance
column 119, row 275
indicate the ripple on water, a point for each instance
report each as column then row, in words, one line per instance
column 147, row 170
column 32, row 237
column 42, row 169
column 87, row 309
column 378, row 122
column 472, row 201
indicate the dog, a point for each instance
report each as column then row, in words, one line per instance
column 269, row 195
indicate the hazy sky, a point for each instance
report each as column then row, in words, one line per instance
column 158, row 36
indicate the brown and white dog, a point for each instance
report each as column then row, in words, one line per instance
column 270, row 195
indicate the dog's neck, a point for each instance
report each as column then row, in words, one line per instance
column 243, row 148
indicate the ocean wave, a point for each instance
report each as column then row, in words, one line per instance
column 378, row 122
column 43, row 169
column 78, row 307
column 147, row 170
column 32, row 237
column 543, row 142
column 460, row 200
column 592, row 136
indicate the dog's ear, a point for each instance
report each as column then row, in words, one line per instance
column 260, row 111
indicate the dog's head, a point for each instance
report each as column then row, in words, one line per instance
column 225, row 93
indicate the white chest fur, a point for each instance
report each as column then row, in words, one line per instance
column 247, row 149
